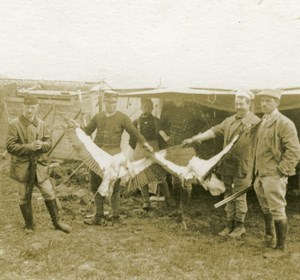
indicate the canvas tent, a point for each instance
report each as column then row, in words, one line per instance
column 221, row 99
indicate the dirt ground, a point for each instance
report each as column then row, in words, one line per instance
column 149, row 245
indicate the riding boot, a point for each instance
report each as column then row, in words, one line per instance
column 281, row 233
column 52, row 209
column 270, row 236
column 98, row 218
column 26, row 210
column 115, row 200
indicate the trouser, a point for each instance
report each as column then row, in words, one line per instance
column 45, row 188
column 163, row 189
column 99, row 200
column 236, row 210
column 270, row 192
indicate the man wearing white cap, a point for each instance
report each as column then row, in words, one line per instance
column 276, row 156
column 236, row 168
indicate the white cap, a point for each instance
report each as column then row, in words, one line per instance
column 275, row 93
column 245, row 93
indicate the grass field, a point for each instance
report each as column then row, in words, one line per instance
column 145, row 246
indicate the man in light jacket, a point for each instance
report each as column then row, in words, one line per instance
column 236, row 168
column 276, row 156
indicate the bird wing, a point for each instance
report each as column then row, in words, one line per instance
column 92, row 155
column 215, row 160
column 171, row 167
column 138, row 173
column 144, row 171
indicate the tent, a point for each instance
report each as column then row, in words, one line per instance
column 221, row 99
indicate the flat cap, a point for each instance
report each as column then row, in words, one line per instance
column 30, row 100
column 146, row 101
column 245, row 93
column 110, row 94
column 275, row 93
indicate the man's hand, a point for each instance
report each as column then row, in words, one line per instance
column 187, row 141
column 36, row 145
column 73, row 123
column 164, row 136
column 148, row 148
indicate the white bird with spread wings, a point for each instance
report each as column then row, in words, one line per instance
column 138, row 173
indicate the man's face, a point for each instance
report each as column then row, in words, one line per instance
column 29, row 111
column 147, row 108
column 242, row 106
column 268, row 104
column 110, row 105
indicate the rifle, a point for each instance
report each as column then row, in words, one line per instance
column 30, row 184
column 31, row 178
column 232, row 197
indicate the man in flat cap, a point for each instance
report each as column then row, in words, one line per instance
column 276, row 156
column 28, row 141
column 110, row 125
column 236, row 168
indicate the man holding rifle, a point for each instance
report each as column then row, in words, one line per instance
column 236, row 168
column 28, row 141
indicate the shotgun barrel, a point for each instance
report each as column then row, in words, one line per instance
column 232, row 197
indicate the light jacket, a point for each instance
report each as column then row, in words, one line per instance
column 277, row 148
column 239, row 161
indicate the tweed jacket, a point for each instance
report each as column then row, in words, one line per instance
column 277, row 148
column 239, row 161
column 22, row 132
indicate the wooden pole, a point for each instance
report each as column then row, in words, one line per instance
column 61, row 136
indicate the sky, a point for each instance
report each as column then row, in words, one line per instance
column 147, row 43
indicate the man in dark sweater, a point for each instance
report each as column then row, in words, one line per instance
column 110, row 125
column 149, row 127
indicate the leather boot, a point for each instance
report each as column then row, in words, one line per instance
column 26, row 210
column 281, row 233
column 229, row 228
column 146, row 198
column 239, row 230
column 178, row 195
column 98, row 218
column 115, row 200
column 270, row 236
column 164, row 187
column 52, row 209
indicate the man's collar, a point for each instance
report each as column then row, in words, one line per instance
column 271, row 115
column 27, row 122
column 109, row 114
column 271, row 118
column 242, row 117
